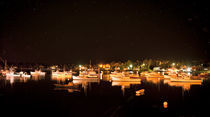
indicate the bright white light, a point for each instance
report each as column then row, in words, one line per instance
column 131, row 66
column 80, row 65
column 189, row 69
column 143, row 64
column 173, row 64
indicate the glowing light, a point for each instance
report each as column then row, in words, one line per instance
column 80, row 65
column 137, row 94
column 143, row 64
column 189, row 69
column 131, row 66
column 140, row 92
column 165, row 104
column 173, row 64
column 100, row 65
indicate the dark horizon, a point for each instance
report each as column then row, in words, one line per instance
column 44, row 31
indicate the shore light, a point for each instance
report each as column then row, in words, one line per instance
column 189, row 69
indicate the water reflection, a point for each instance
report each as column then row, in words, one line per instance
column 125, row 85
column 61, row 80
column 102, row 92
column 140, row 92
column 153, row 80
column 84, row 85
column 70, row 87
column 165, row 104
column 75, row 85
column 12, row 80
column 37, row 78
column 106, row 77
column 185, row 85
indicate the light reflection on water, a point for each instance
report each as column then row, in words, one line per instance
column 37, row 78
column 74, row 86
column 184, row 85
column 124, row 85
column 157, row 91
column 65, row 84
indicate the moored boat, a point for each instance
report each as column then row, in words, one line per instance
column 37, row 73
column 154, row 75
column 83, row 78
column 12, row 74
column 125, row 79
column 87, row 75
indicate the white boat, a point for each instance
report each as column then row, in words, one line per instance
column 124, row 74
column 55, row 74
column 88, row 74
column 83, row 78
column 92, row 74
column 140, row 92
column 26, row 76
column 37, row 73
column 12, row 74
column 125, row 79
column 64, row 74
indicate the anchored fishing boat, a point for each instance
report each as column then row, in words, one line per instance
column 37, row 73
column 12, row 74
column 86, row 75
column 65, row 74
column 125, row 79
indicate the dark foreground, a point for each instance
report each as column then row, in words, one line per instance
column 101, row 99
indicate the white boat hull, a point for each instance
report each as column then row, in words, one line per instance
column 184, row 80
column 95, row 76
column 167, row 77
column 37, row 73
column 83, row 78
column 125, row 79
column 26, row 76
column 12, row 75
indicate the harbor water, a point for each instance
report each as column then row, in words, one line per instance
column 46, row 96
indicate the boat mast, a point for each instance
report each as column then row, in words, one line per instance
column 90, row 64
column 5, row 63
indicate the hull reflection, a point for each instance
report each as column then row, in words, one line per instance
column 185, row 85
column 124, row 85
column 153, row 80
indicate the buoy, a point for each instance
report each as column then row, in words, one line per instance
column 140, row 92
column 165, row 104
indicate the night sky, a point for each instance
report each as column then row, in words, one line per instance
column 75, row 31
